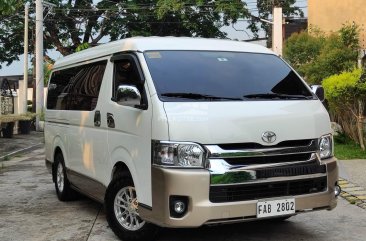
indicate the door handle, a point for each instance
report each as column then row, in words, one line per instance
column 97, row 118
column 110, row 120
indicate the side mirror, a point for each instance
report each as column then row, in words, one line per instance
column 319, row 91
column 128, row 95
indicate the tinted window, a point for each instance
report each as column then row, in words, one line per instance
column 125, row 74
column 228, row 75
column 76, row 88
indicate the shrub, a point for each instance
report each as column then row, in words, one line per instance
column 346, row 95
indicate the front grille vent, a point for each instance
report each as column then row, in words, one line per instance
column 244, row 192
column 292, row 170
column 268, row 159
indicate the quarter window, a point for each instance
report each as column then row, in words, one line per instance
column 76, row 88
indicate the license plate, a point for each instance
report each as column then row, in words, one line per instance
column 275, row 208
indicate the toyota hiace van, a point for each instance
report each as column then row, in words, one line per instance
column 184, row 132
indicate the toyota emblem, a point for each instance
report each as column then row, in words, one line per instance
column 269, row 137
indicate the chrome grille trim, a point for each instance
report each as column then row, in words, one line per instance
column 228, row 166
column 274, row 179
column 248, row 167
column 216, row 152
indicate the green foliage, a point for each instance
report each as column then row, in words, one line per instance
column 346, row 95
column 11, row 31
column 82, row 47
column 350, row 36
column 9, row 6
column 348, row 150
column 302, row 49
column 343, row 88
column 316, row 56
column 342, row 138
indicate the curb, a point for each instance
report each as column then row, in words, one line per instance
column 353, row 193
column 20, row 151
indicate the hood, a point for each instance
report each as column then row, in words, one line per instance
column 246, row 121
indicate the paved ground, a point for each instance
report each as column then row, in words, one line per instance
column 353, row 171
column 20, row 144
column 30, row 210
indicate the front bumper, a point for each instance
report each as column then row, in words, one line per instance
column 195, row 184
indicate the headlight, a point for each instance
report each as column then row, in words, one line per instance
column 177, row 154
column 326, row 146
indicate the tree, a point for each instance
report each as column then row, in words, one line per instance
column 11, row 31
column 265, row 11
column 79, row 22
column 302, row 49
column 74, row 25
column 317, row 56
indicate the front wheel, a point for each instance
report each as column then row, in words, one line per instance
column 122, row 212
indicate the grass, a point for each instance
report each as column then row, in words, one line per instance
column 346, row 149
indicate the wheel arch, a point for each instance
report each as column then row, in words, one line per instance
column 122, row 162
column 120, row 168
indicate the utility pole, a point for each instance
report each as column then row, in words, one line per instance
column 277, row 35
column 25, row 78
column 39, row 62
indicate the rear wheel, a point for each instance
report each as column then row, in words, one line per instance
column 122, row 212
column 62, row 184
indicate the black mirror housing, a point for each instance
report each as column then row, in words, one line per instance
column 318, row 90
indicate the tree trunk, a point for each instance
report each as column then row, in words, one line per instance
column 34, row 85
column 360, row 125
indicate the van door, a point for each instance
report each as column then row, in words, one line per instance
column 129, row 123
column 87, row 146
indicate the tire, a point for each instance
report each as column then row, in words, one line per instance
column 62, row 185
column 122, row 212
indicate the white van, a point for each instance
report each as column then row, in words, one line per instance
column 183, row 132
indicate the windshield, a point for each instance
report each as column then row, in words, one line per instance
column 223, row 76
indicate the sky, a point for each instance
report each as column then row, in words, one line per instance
column 238, row 31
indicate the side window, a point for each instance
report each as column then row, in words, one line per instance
column 76, row 88
column 126, row 82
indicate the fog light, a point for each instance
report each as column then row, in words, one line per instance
column 337, row 190
column 178, row 206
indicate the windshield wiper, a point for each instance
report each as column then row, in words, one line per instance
column 197, row 96
column 277, row 96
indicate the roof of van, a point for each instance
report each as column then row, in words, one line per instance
column 142, row 44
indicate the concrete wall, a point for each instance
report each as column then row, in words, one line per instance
column 329, row 15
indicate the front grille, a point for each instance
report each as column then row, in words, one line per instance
column 268, row 159
column 234, row 193
column 293, row 170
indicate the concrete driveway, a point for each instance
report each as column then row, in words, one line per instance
column 30, row 210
